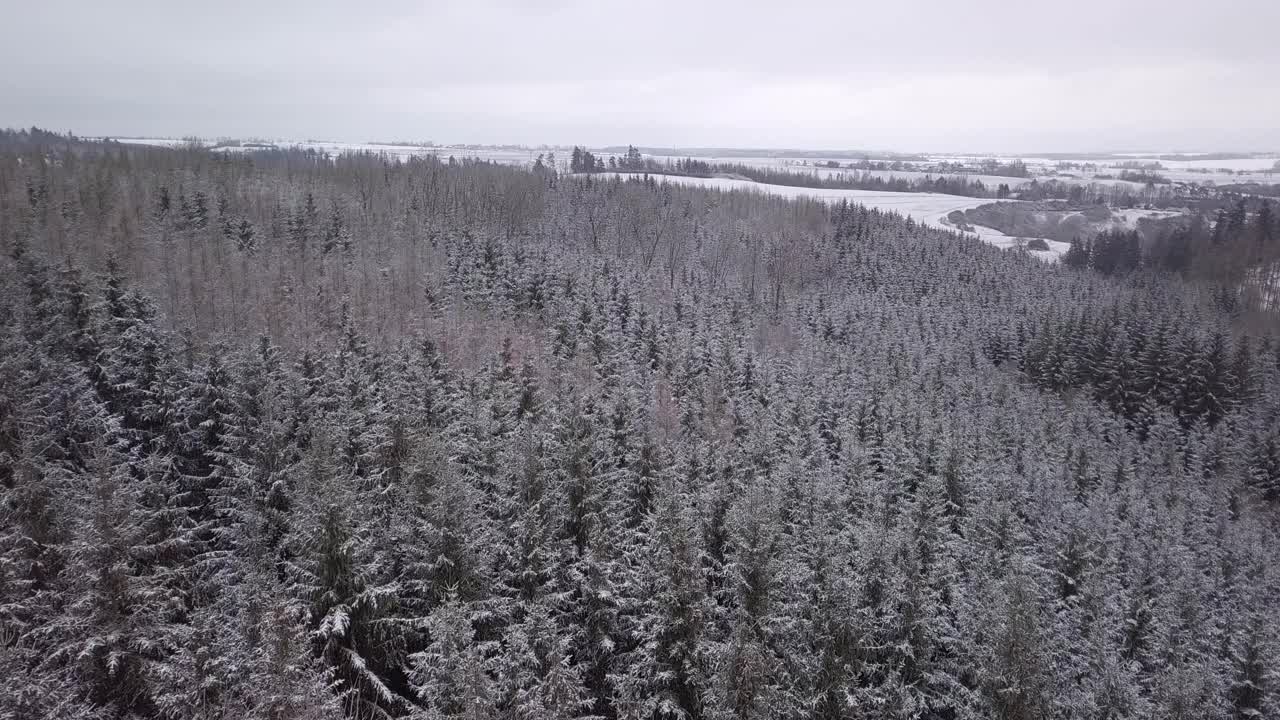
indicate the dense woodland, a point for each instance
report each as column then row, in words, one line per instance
column 858, row 178
column 1238, row 250
column 285, row 435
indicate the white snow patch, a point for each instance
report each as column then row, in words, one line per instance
column 1129, row 217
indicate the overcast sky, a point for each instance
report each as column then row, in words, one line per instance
column 943, row 75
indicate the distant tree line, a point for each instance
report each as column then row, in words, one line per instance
column 1155, row 191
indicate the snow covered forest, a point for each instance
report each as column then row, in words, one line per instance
column 286, row 435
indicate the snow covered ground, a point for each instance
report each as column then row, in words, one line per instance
column 926, row 208
column 1218, row 177
column 1253, row 164
column 1217, row 172
column 1129, row 218
column 1201, row 172
column 1184, row 175
column 991, row 181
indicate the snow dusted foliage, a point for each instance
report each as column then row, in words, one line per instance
column 454, row 440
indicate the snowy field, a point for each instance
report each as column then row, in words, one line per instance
column 815, row 166
column 1179, row 175
column 1203, row 172
column 1129, row 218
column 991, row 181
column 1260, row 164
column 1073, row 177
column 1266, row 177
column 925, row 208
column 1255, row 164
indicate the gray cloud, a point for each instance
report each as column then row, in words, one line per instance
column 912, row 74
